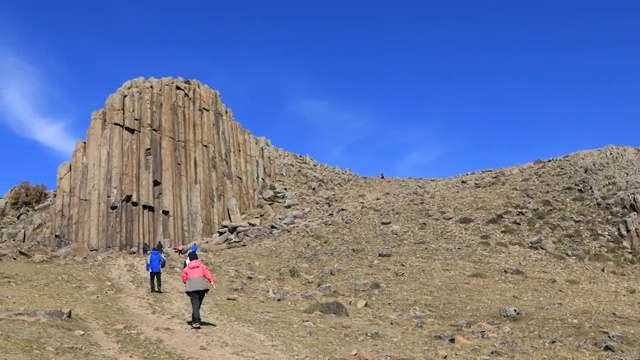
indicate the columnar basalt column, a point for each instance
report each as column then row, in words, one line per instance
column 162, row 161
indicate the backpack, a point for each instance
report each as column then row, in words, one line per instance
column 163, row 263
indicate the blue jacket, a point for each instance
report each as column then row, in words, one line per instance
column 154, row 261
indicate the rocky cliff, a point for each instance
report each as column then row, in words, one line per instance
column 164, row 160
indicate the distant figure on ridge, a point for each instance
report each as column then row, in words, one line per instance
column 145, row 249
column 159, row 246
column 180, row 248
column 198, row 280
column 155, row 262
column 381, row 175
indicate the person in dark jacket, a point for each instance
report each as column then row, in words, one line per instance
column 198, row 281
column 155, row 262
column 145, row 249
column 194, row 250
column 159, row 246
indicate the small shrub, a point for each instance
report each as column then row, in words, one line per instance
column 579, row 198
column 465, row 220
column 508, row 230
column 600, row 258
column 478, row 275
column 294, row 273
column 27, row 195
column 328, row 308
column 546, row 202
column 573, row 281
column 552, row 226
column 485, row 237
column 539, row 214
column 318, row 237
column 495, row 219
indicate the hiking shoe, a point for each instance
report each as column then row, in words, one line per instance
column 195, row 325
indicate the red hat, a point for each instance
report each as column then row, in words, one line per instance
column 180, row 247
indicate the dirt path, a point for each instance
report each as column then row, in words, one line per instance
column 165, row 316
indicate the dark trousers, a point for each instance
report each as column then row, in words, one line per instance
column 158, row 277
column 196, row 301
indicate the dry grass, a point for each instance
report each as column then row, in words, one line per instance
column 434, row 259
column 450, row 242
column 426, row 292
column 109, row 330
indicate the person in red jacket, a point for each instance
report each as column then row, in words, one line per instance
column 198, row 280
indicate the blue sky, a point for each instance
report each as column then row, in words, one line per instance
column 424, row 89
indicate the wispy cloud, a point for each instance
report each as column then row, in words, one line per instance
column 367, row 142
column 333, row 128
column 23, row 105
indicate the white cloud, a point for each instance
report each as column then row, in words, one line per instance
column 410, row 164
column 23, row 92
column 333, row 128
column 352, row 136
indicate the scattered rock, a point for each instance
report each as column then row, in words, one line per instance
column 328, row 308
column 541, row 243
column 39, row 258
column 606, row 344
column 460, row 340
column 385, row 253
column 513, row 271
column 610, row 342
column 56, row 314
column 466, row 324
column 268, row 195
column 308, row 296
column 276, row 294
column 367, row 285
column 326, row 289
column 63, row 252
column 448, row 337
column 510, row 312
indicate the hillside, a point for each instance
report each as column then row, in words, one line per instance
column 423, row 267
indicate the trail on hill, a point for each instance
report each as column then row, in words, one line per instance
column 165, row 316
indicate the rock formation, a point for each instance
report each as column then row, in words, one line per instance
column 164, row 160
column 629, row 228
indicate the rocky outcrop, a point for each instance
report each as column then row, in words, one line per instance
column 164, row 160
column 629, row 228
column 25, row 216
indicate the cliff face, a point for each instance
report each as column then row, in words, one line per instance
column 164, row 160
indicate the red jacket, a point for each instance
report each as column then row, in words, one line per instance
column 194, row 276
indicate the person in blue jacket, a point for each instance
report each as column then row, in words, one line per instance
column 155, row 262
